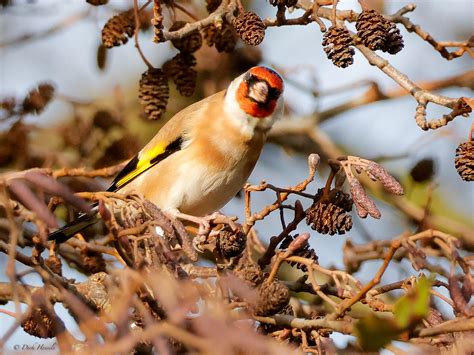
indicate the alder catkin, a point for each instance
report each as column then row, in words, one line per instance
column 157, row 22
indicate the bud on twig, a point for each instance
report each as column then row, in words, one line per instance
column 313, row 161
column 298, row 243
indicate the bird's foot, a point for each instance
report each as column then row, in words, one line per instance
column 204, row 222
column 205, row 236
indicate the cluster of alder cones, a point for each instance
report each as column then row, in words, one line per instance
column 154, row 84
column 373, row 30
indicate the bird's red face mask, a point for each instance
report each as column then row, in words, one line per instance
column 259, row 91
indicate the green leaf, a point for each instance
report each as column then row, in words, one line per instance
column 375, row 332
column 414, row 306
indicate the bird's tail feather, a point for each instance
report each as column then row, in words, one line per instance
column 74, row 227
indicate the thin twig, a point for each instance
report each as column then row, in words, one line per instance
column 135, row 35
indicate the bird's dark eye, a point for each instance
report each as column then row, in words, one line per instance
column 248, row 77
column 273, row 93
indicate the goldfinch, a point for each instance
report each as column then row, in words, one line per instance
column 204, row 154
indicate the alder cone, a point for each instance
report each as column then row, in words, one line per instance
column 117, row 29
column 231, row 243
column 394, row 41
column 224, row 39
column 185, row 81
column 178, row 62
column 423, row 170
column 330, row 216
column 327, row 218
column 42, row 323
column 105, row 120
column 97, row 2
column 272, row 298
column 372, row 30
column 287, row 3
column 38, row 98
column 337, row 42
column 154, row 93
column 464, row 161
column 304, row 252
column 377, row 33
column 119, row 150
column 340, row 199
column 181, row 69
column 248, row 270
column 209, row 34
column 250, row 28
column 212, row 5
column 15, row 144
column 189, row 43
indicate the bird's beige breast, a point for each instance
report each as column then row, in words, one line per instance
column 201, row 178
column 187, row 182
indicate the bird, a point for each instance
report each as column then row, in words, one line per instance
column 202, row 156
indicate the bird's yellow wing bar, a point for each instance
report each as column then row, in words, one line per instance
column 144, row 161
